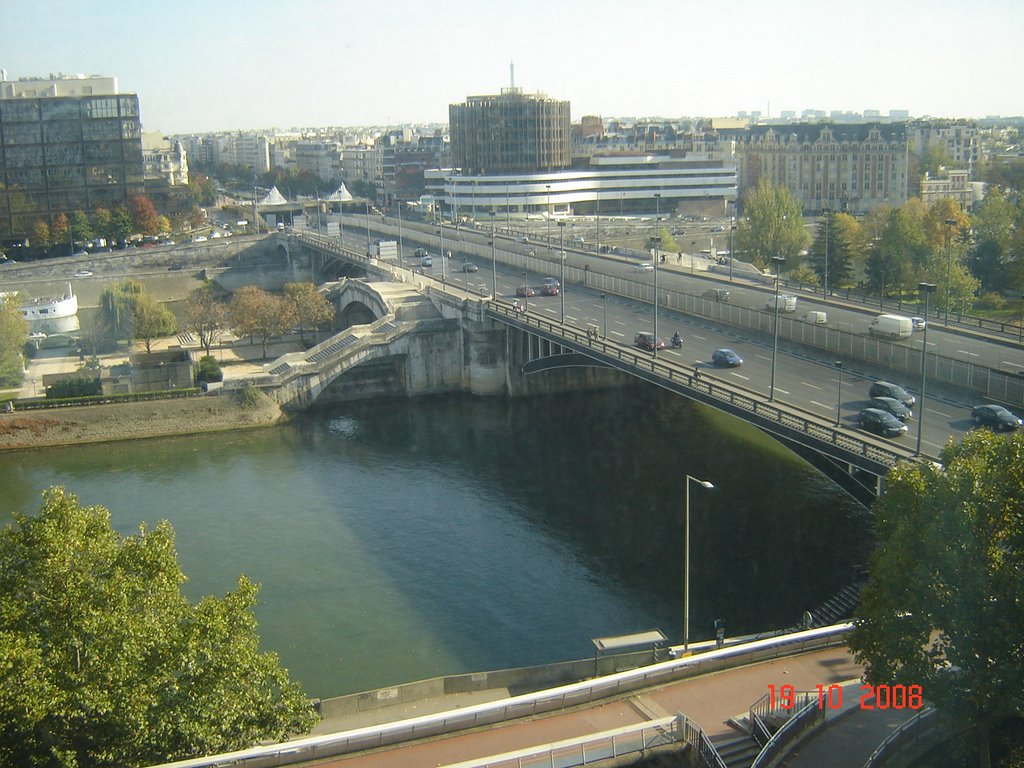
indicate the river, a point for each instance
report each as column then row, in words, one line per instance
column 401, row 539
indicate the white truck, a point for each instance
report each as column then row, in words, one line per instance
column 786, row 303
column 386, row 249
column 891, row 327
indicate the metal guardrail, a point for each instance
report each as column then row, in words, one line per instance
column 785, row 417
column 907, row 736
column 593, row 748
column 808, row 714
column 525, row 705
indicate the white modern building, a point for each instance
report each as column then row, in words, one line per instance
column 612, row 184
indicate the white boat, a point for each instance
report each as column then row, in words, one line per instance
column 51, row 307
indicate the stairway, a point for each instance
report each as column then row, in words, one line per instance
column 737, row 750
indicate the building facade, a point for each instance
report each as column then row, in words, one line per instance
column 65, row 153
column 511, row 132
column 848, row 167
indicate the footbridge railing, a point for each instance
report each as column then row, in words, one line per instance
column 526, row 705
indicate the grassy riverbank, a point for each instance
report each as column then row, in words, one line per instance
column 126, row 421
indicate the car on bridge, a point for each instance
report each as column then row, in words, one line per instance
column 881, row 423
column 726, row 358
column 549, row 289
column 648, row 341
column 895, row 391
column 522, row 239
column 995, row 417
column 893, row 406
column 644, row 266
column 469, row 266
column 918, row 323
column 427, row 260
column 525, row 290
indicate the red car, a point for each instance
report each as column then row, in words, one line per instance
column 525, row 290
column 648, row 341
column 549, row 289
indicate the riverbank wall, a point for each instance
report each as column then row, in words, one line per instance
column 127, row 421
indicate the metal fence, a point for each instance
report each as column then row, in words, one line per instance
column 909, row 735
column 808, row 716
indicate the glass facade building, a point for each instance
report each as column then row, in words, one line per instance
column 65, row 154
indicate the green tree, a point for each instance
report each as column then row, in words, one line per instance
column 942, row 608
column 117, row 309
column 152, row 320
column 121, row 227
column 102, row 223
column 900, row 252
column 13, row 335
column 772, row 226
column 835, row 249
column 103, row 661
column 205, row 315
column 41, row 234
column 993, row 222
column 254, row 312
column 309, row 307
column 81, row 229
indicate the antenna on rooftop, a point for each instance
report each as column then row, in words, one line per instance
column 512, row 74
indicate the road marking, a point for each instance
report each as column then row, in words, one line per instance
column 783, row 391
column 965, row 352
column 812, row 386
column 698, row 338
column 820, row 405
column 570, row 318
column 740, row 375
column 940, row 413
column 616, row 333
column 762, row 357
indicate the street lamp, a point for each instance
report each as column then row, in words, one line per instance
column 839, row 397
column 926, row 289
column 548, row 188
column 778, row 261
column 367, row 226
column 494, row 263
column 950, row 223
column 732, row 253
column 686, row 561
column 561, row 268
column 604, row 302
column 400, row 246
column 824, row 288
column 598, row 237
column 657, row 258
column 440, row 234
column 526, row 292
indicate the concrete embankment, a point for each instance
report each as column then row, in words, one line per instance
column 126, row 421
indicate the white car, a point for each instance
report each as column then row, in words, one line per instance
column 83, row 273
column 919, row 323
column 645, row 266
column 522, row 239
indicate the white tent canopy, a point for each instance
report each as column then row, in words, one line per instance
column 340, row 195
column 273, row 198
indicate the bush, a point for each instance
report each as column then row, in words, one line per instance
column 208, row 370
column 990, row 300
column 249, row 395
column 66, row 388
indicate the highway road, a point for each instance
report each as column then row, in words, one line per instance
column 807, row 378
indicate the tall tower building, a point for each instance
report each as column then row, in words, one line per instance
column 66, row 144
column 511, row 132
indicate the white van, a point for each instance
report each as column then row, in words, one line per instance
column 815, row 318
column 786, row 303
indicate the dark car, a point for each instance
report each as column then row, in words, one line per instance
column 995, row 417
column 895, row 391
column 549, row 289
column 525, row 290
column 469, row 266
column 648, row 341
column 726, row 358
column 893, row 406
column 881, row 422
column 421, row 252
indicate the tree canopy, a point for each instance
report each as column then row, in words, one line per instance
column 103, row 661
column 942, row 608
column 254, row 312
column 13, row 333
column 772, row 226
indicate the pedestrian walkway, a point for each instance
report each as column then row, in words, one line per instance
column 710, row 701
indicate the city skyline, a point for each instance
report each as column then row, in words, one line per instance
column 258, row 65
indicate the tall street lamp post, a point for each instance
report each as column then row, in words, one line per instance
column 778, row 261
column 732, row 236
column 440, row 234
column 604, row 303
column 598, row 236
column 824, row 288
column 657, row 259
column 950, row 223
column 839, row 396
column 686, row 562
column 561, row 267
column 548, row 187
column 400, row 245
column 494, row 263
column 926, row 289
column 367, row 226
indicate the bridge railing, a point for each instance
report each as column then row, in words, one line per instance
column 809, row 715
column 525, row 705
column 784, row 417
column 910, row 735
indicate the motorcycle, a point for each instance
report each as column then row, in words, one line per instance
column 676, row 342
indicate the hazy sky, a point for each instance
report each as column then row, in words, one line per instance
column 205, row 65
